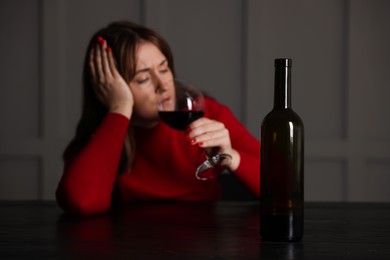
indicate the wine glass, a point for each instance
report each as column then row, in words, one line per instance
column 188, row 105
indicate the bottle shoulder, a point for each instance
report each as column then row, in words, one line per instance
column 282, row 115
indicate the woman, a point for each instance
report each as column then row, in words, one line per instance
column 121, row 151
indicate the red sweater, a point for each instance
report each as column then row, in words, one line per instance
column 163, row 168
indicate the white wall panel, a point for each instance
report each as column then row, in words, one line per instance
column 370, row 55
column 20, row 178
column 20, row 66
column 368, row 98
column 377, row 179
column 325, row 180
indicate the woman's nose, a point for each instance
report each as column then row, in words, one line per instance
column 161, row 84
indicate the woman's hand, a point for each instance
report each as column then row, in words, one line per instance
column 213, row 136
column 110, row 87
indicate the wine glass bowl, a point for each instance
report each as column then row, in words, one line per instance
column 187, row 106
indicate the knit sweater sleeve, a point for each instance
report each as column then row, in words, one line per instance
column 244, row 142
column 88, row 178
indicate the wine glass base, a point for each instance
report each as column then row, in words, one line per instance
column 203, row 172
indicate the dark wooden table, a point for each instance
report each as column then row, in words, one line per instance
column 224, row 230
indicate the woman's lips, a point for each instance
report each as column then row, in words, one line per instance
column 166, row 103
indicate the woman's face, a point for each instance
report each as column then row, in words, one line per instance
column 152, row 83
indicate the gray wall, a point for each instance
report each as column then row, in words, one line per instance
column 340, row 86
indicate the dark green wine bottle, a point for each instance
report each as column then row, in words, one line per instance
column 282, row 164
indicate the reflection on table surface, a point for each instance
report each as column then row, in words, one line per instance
column 166, row 229
column 179, row 230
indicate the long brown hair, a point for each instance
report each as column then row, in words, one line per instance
column 123, row 37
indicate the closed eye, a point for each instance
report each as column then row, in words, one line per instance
column 164, row 66
column 143, row 80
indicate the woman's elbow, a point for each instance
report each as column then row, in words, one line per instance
column 81, row 205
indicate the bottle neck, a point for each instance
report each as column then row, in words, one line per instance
column 282, row 95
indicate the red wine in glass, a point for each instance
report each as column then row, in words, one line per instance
column 180, row 120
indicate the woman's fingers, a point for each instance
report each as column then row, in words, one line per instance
column 91, row 63
column 101, row 61
column 112, row 63
column 213, row 138
column 209, row 133
column 97, row 75
column 205, row 125
column 100, row 77
column 100, row 68
column 104, row 59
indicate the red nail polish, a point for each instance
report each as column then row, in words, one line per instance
column 200, row 143
column 100, row 40
column 188, row 129
column 109, row 49
column 193, row 141
column 188, row 137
